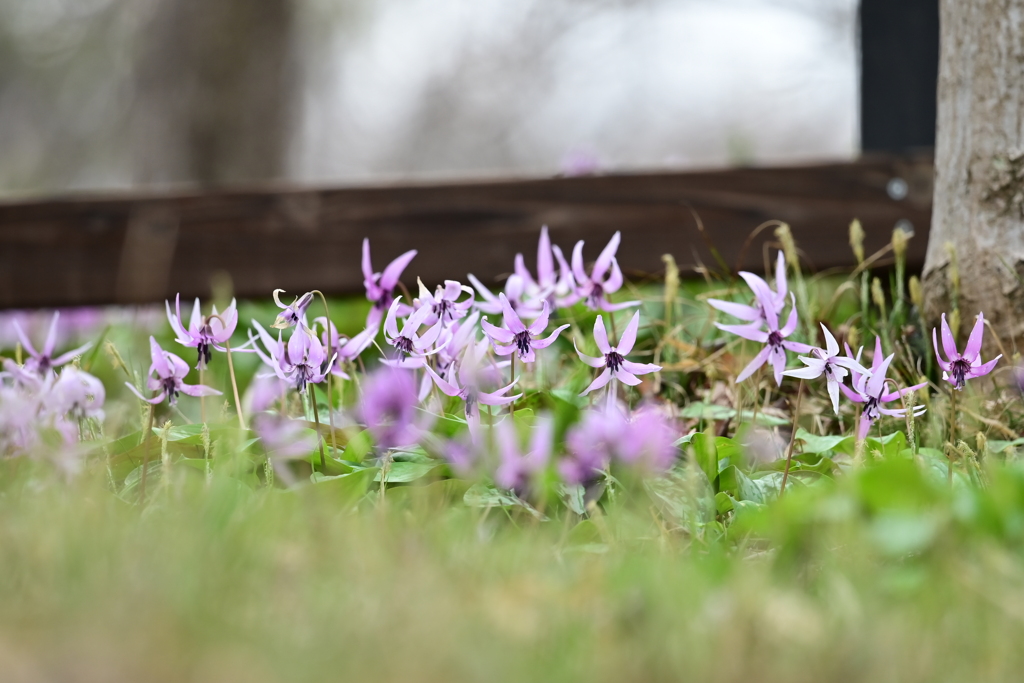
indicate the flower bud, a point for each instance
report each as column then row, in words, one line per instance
column 857, row 240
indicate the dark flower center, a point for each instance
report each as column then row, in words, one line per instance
column 958, row 371
column 614, row 360
column 775, row 339
column 596, row 294
column 470, row 398
column 404, row 345
column 522, row 342
column 871, row 409
column 384, row 301
column 443, row 310
column 170, row 385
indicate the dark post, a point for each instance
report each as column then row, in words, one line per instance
column 899, row 46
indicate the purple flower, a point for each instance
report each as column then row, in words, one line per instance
column 515, row 293
column 444, row 304
column 517, row 337
column 380, row 287
column 828, row 362
column 203, row 333
column 77, row 394
column 649, row 441
column 43, row 362
column 300, row 361
column 605, row 278
column 960, row 368
column 774, row 340
column 169, row 372
column 283, row 439
column 465, row 384
column 870, row 391
column 614, row 361
column 516, row 468
column 591, row 444
column 551, row 285
column 264, row 391
column 388, row 407
column 408, row 341
column 765, row 298
column 294, row 312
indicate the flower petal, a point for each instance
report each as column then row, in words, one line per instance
column 627, row 377
column 948, row 344
column 198, row 390
column 499, row 334
column 156, row 399
column 754, row 364
column 605, row 258
column 160, row 364
column 639, row 368
column 741, row 311
column 831, row 345
column 512, row 320
column 601, row 380
column 751, row 332
column 389, row 278
column 601, row 336
column 974, row 341
column 943, row 363
column 984, row 369
column 548, row 340
column 589, row 360
column 628, row 338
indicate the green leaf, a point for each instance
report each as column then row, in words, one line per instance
column 346, row 489
column 400, row 472
column 723, row 502
column 813, row 443
column 705, row 454
column 710, row 412
column 733, row 481
column 573, row 498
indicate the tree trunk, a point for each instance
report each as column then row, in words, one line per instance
column 978, row 212
column 214, row 90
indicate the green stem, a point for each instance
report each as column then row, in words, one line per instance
column 330, row 393
column 792, row 437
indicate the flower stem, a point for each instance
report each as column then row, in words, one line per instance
column 234, row 385
column 952, row 433
column 512, row 378
column 145, row 455
column 319, row 437
column 330, row 392
column 792, row 437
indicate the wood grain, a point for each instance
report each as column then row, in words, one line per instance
column 133, row 248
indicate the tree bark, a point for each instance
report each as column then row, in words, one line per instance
column 215, row 86
column 978, row 211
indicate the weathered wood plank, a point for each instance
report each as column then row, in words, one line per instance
column 106, row 249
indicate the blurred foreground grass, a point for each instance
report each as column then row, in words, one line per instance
column 886, row 574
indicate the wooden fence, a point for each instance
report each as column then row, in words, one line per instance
column 145, row 247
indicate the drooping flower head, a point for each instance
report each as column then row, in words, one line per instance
column 516, row 337
column 380, row 287
column 466, row 385
column 42, row 361
column 294, row 312
column 614, row 359
column 444, row 304
column 774, row 340
column 871, row 391
column 203, row 333
column 408, row 341
column 765, row 298
column 516, row 468
column 166, row 376
column 961, row 367
column 828, row 362
column 76, row 394
column 604, row 278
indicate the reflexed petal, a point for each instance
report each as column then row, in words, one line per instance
column 156, row 399
column 367, row 266
column 601, row 380
column 196, row 319
column 877, row 381
column 391, row 322
column 512, row 320
column 948, row 344
column 753, row 365
column 51, row 336
column 496, row 399
column 485, row 294
column 430, row 336
column 943, row 363
column 833, row 393
column 974, row 341
column 548, row 340
column 851, row 364
column 444, row 385
column 614, row 281
column 639, row 368
column 895, row 395
column 781, row 286
column 601, row 336
column 797, row 347
column 198, row 390
column 605, row 259
column 160, row 364
column 765, row 297
column 545, row 266
column 778, row 360
column 452, row 290
column 504, row 349
column 627, row 377
column 876, row 359
column 175, row 325
column 521, row 270
column 589, row 360
column 538, row 326
column 751, row 332
column 741, row 311
column 981, row 370
column 23, row 338
column 806, row 373
column 831, row 345
column 577, row 265
column 791, row 323
column 851, row 394
column 497, row 333
column 389, row 278
column 65, row 357
column 608, row 307
column 628, row 338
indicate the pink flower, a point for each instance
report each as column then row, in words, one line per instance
column 203, row 332
column 765, row 298
column 42, row 361
column 380, row 287
column 465, row 384
column 516, row 337
column 516, row 468
column 293, row 313
column 614, row 361
column 960, row 368
column 870, row 391
column 774, row 340
column 169, row 372
column 605, row 278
